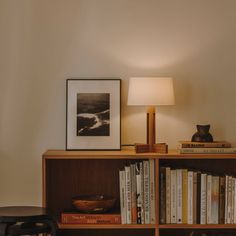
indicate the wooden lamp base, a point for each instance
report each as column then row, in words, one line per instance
column 158, row 148
column 151, row 145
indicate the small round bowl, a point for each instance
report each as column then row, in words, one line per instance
column 93, row 203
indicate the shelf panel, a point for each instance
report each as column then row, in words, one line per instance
column 105, row 226
column 197, row 226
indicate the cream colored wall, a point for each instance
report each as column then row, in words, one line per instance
column 44, row 42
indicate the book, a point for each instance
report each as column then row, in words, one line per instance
column 209, row 189
column 215, row 200
column 229, row 199
column 185, row 196
column 203, row 198
column 215, row 144
column 194, row 197
column 190, row 197
column 173, row 208
column 179, row 196
column 122, row 196
column 128, row 194
column 81, row 218
column 146, row 191
column 168, row 196
column 162, row 184
column 152, row 192
column 207, row 150
column 133, row 194
column 198, row 197
column 139, row 197
column 222, row 200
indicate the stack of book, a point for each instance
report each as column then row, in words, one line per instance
column 216, row 147
column 195, row 197
column 137, row 193
column 83, row 218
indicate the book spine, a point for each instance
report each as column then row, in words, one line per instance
column 195, row 197
column 226, row 197
column 152, row 192
column 146, row 178
column 209, row 189
column 179, row 196
column 74, row 218
column 207, row 150
column 229, row 200
column 203, row 199
column 215, row 200
column 162, row 184
column 128, row 194
column 168, row 196
column 122, row 196
column 198, row 197
column 206, row 145
column 190, row 197
column 185, row 196
column 173, row 197
column 222, row 201
column 233, row 203
column 133, row 195
column 142, row 193
column 139, row 192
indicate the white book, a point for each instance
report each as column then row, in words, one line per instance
column 203, row 199
column 173, row 208
column 139, row 192
column 168, row 196
column 190, row 197
column 128, row 194
column 209, row 189
column 152, row 192
column 179, row 196
column 146, row 181
column 226, row 197
column 122, row 196
column 229, row 200
column 215, row 200
column 233, row 203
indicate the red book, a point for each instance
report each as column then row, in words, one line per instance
column 80, row 218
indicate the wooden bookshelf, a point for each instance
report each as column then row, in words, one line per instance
column 70, row 173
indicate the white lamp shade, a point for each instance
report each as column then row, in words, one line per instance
column 151, row 91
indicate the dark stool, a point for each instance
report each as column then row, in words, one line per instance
column 26, row 220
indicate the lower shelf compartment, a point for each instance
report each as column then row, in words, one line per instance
column 197, row 226
column 109, row 232
column 197, row 232
column 105, row 226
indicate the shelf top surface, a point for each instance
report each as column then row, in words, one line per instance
column 172, row 154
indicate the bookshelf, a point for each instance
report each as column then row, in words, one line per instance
column 70, row 173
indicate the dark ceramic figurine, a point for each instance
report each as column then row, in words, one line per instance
column 202, row 134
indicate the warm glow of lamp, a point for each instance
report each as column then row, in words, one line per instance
column 151, row 92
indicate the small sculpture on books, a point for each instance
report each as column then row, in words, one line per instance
column 202, row 134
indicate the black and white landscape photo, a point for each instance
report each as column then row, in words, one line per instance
column 93, row 114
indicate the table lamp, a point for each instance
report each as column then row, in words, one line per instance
column 150, row 92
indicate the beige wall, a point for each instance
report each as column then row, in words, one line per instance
column 43, row 42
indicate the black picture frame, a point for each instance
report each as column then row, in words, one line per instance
column 93, row 114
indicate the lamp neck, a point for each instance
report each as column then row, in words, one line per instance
column 151, row 126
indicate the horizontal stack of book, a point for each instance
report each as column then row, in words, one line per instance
column 195, row 197
column 216, row 147
column 82, row 218
column 137, row 193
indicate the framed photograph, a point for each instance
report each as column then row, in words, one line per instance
column 93, row 114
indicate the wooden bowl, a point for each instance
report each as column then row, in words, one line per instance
column 93, row 203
